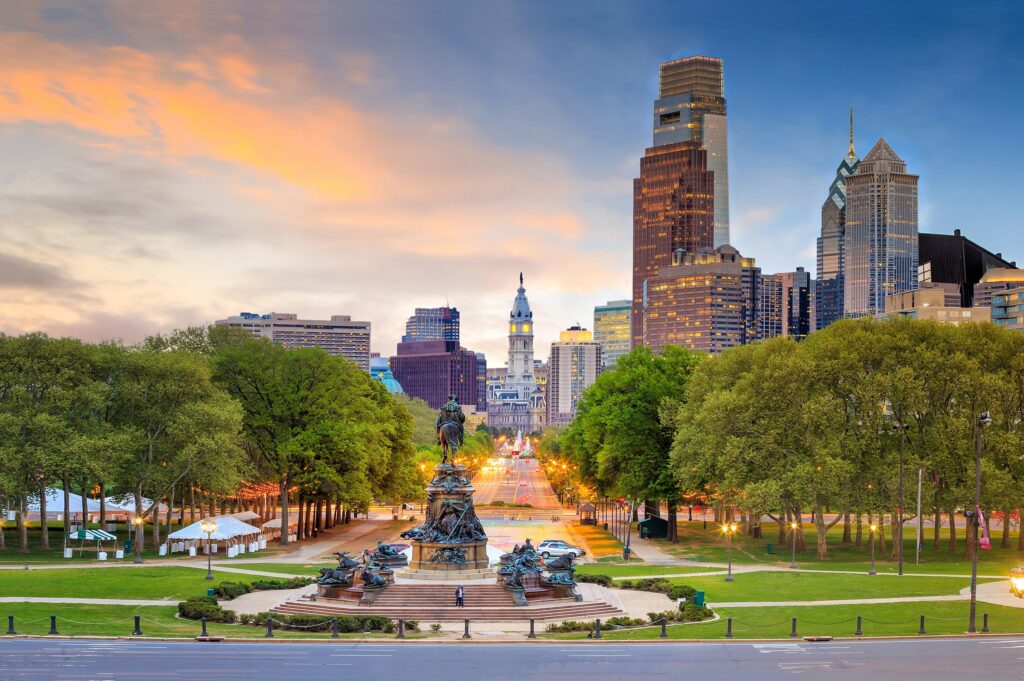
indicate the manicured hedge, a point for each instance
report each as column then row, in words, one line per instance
column 205, row 606
column 603, row 580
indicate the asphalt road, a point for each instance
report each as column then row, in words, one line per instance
column 908, row 660
column 525, row 484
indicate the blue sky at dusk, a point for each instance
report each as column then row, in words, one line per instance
column 166, row 164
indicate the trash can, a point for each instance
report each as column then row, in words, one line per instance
column 210, row 592
column 698, row 599
column 768, row 549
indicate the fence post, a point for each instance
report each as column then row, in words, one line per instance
column 920, row 631
column 859, row 632
column 203, row 620
column 984, row 623
column 664, row 628
column 138, row 626
column 53, row 626
column 465, row 633
column 334, row 627
column 597, row 628
column 270, row 628
column 728, row 627
column 531, row 634
column 792, row 632
column 401, row 629
column 10, row 626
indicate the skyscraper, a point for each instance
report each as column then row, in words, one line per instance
column 704, row 301
column 574, row 366
column 612, row 330
column 785, row 305
column 433, row 323
column 691, row 106
column 673, row 209
column 880, row 246
column 955, row 261
column 828, row 298
column 432, row 370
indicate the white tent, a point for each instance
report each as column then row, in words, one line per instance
column 234, row 526
column 275, row 524
column 195, row 531
column 245, row 515
column 126, row 504
column 241, row 537
column 55, row 503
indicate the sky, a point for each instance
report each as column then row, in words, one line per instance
column 168, row 164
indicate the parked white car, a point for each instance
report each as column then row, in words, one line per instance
column 557, row 547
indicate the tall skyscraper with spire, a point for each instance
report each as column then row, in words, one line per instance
column 880, row 245
column 828, row 296
column 517, row 402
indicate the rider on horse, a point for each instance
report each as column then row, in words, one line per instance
column 450, row 434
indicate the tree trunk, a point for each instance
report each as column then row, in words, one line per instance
column 140, row 532
column 897, row 536
column 1020, row 531
column 936, row 529
column 858, row 539
column 822, row 528
column 801, row 542
column 156, row 523
column 300, row 528
column 784, row 520
column 970, row 540
column 283, row 539
column 44, row 530
column 103, row 505
column 3, row 538
column 673, row 518
column 847, row 539
column 952, row 532
column 1005, row 543
column 170, row 511
column 22, row 525
column 881, row 534
column 85, row 505
column 66, row 484
column 191, row 505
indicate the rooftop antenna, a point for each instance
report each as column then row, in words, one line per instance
column 851, row 131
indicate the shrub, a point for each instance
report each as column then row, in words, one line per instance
column 346, row 623
column 272, row 584
column 588, row 625
column 229, row 590
column 682, row 591
column 657, row 584
column 412, row 625
column 436, row 626
column 695, row 613
column 204, row 606
column 622, row 621
column 603, row 580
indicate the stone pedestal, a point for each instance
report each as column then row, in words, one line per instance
column 451, row 540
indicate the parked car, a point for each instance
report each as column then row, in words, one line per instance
column 557, row 547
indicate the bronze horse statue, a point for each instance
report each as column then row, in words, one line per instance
column 450, row 432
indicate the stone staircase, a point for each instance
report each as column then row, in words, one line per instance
column 436, row 603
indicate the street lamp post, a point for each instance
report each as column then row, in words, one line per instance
column 792, row 534
column 209, row 527
column 872, row 529
column 984, row 419
column 730, row 530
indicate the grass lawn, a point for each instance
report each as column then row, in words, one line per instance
column 171, row 583
column 894, row 619
column 635, row 570
column 300, row 569
column 697, row 543
column 117, row 620
column 796, row 586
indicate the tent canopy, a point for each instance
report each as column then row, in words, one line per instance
column 227, row 528
column 245, row 515
column 55, row 502
column 276, row 522
column 92, row 535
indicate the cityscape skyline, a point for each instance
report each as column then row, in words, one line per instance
column 95, row 141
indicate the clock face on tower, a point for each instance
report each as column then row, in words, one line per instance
column 526, row 328
column 511, row 328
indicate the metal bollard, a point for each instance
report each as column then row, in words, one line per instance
column 920, row 631
column 465, row 633
column 401, row 629
column 792, row 632
column 984, row 623
column 10, row 626
column 728, row 627
column 334, row 627
column 531, row 634
column 664, row 628
column 138, row 626
column 53, row 626
column 270, row 628
column 203, row 620
column 597, row 628
column 859, row 632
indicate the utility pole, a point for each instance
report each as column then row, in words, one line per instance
column 984, row 419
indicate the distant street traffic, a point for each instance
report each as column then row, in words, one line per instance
column 514, row 482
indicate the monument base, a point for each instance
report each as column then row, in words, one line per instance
column 444, row 558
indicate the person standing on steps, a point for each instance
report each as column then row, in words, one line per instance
column 460, row 596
